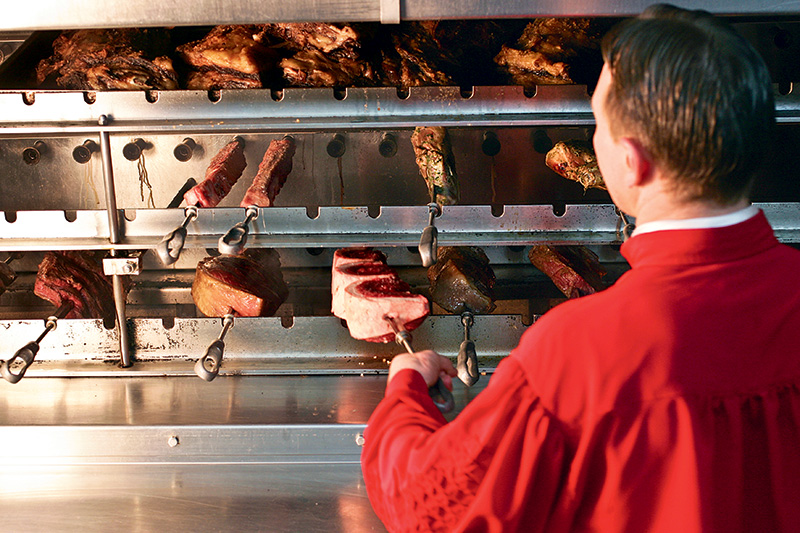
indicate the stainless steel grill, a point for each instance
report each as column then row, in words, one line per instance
column 274, row 442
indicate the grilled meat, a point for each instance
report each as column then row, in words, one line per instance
column 76, row 277
column 462, row 280
column 575, row 160
column 127, row 58
column 222, row 173
column 272, row 172
column 344, row 275
column 367, row 302
column 229, row 57
column 414, row 57
column 364, row 289
column 548, row 49
column 249, row 284
column 436, row 163
column 575, row 270
column 322, row 55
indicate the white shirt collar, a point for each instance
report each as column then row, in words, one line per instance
column 719, row 221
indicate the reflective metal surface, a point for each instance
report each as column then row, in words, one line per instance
column 55, row 14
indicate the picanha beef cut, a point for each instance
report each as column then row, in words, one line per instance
column 77, row 276
column 575, row 160
column 369, row 292
column 575, row 270
column 462, row 280
column 344, row 275
column 124, row 58
column 223, row 172
column 229, row 57
column 272, row 172
column 249, row 284
column 553, row 51
column 436, row 163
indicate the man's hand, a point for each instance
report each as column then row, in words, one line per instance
column 430, row 364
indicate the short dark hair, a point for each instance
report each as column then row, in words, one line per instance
column 698, row 97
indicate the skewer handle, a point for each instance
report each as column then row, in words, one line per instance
column 233, row 242
column 429, row 241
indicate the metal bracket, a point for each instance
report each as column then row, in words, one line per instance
column 390, row 11
column 122, row 266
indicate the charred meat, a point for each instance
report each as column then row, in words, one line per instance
column 462, row 280
column 550, row 50
column 575, row 270
column 575, row 160
column 76, row 277
column 249, row 284
column 436, row 163
column 222, row 173
column 321, row 55
column 272, row 172
column 229, row 57
column 126, row 58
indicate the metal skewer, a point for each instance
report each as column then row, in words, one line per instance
column 27, row 353
column 467, row 362
column 440, row 394
column 170, row 247
column 428, row 242
column 207, row 367
column 233, row 242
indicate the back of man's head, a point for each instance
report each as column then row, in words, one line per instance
column 696, row 95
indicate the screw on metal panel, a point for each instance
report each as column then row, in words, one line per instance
column 360, row 439
column 173, row 441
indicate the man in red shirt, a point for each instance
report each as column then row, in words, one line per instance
column 669, row 402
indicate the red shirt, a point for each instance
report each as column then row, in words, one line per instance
column 668, row 402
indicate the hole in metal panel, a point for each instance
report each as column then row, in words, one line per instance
column 276, row 94
column 287, row 322
column 11, row 216
column 498, row 210
column 467, row 92
column 374, row 211
column 71, row 215
column 529, row 92
column 559, row 209
column 168, row 322
column 151, row 96
column 312, row 211
column 340, row 93
column 29, row 97
column 90, row 97
column 215, row 95
column 403, row 93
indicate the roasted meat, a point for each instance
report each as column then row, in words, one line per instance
column 413, row 57
column 229, row 57
column 272, row 172
column 462, row 280
column 125, row 58
column 344, row 275
column 436, row 163
column 368, row 302
column 249, row 284
column 550, row 50
column 322, row 55
column 575, row 270
column 575, row 160
column 222, row 173
column 365, row 290
column 76, row 277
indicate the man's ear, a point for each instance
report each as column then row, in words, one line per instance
column 638, row 162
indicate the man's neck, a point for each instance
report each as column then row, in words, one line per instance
column 666, row 208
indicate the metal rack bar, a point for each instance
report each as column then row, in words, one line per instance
column 70, row 112
column 292, row 227
column 58, row 14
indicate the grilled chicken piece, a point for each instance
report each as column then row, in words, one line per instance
column 222, row 173
column 436, row 163
column 547, row 50
column 77, row 276
column 462, row 280
column 575, row 160
column 249, row 284
column 575, row 270
column 124, row 58
column 272, row 172
column 229, row 57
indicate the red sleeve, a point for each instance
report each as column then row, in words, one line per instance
column 497, row 467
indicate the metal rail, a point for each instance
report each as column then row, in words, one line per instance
column 27, row 113
column 59, row 14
